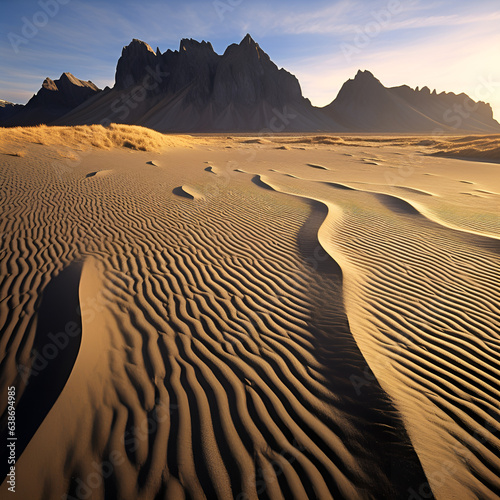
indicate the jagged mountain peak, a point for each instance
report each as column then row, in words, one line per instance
column 131, row 67
column 54, row 99
column 362, row 88
column 194, row 88
column 188, row 44
column 65, row 82
column 248, row 40
column 365, row 77
column 364, row 74
column 139, row 45
column 68, row 80
column 365, row 104
column 248, row 50
column 49, row 84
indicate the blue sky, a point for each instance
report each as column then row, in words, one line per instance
column 451, row 45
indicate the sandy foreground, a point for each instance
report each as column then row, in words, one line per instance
column 243, row 317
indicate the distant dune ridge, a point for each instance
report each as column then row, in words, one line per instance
column 195, row 89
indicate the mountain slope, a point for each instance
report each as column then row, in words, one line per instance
column 8, row 109
column 55, row 99
column 364, row 104
column 195, row 89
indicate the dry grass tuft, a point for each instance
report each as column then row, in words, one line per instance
column 486, row 148
column 67, row 154
column 96, row 136
column 479, row 147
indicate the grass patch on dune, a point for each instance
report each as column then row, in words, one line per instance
column 67, row 154
column 319, row 139
column 94, row 136
column 472, row 147
column 485, row 148
column 492, row 154
column 478, row 147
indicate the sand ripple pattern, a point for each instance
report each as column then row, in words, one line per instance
column 228, row 371
column 422, row 299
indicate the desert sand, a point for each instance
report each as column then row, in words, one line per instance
column 289, row 316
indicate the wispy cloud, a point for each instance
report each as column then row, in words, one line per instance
column 330, row 19
column 348, row 16
column 443, row 21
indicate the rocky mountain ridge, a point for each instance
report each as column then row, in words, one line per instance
column 194, row 89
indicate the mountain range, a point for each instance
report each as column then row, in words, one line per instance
column 194, row 89
column 55, row 99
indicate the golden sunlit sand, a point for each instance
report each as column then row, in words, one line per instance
column 89, row 136
column 301, row 316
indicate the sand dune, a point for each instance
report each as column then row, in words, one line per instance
column 252, row 332
column 320, row 167
column 431, row 343
column 188, row 192
column 91, row 136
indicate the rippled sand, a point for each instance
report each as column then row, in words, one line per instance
column 279, row 317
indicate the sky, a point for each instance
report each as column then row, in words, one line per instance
column 447, row 45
